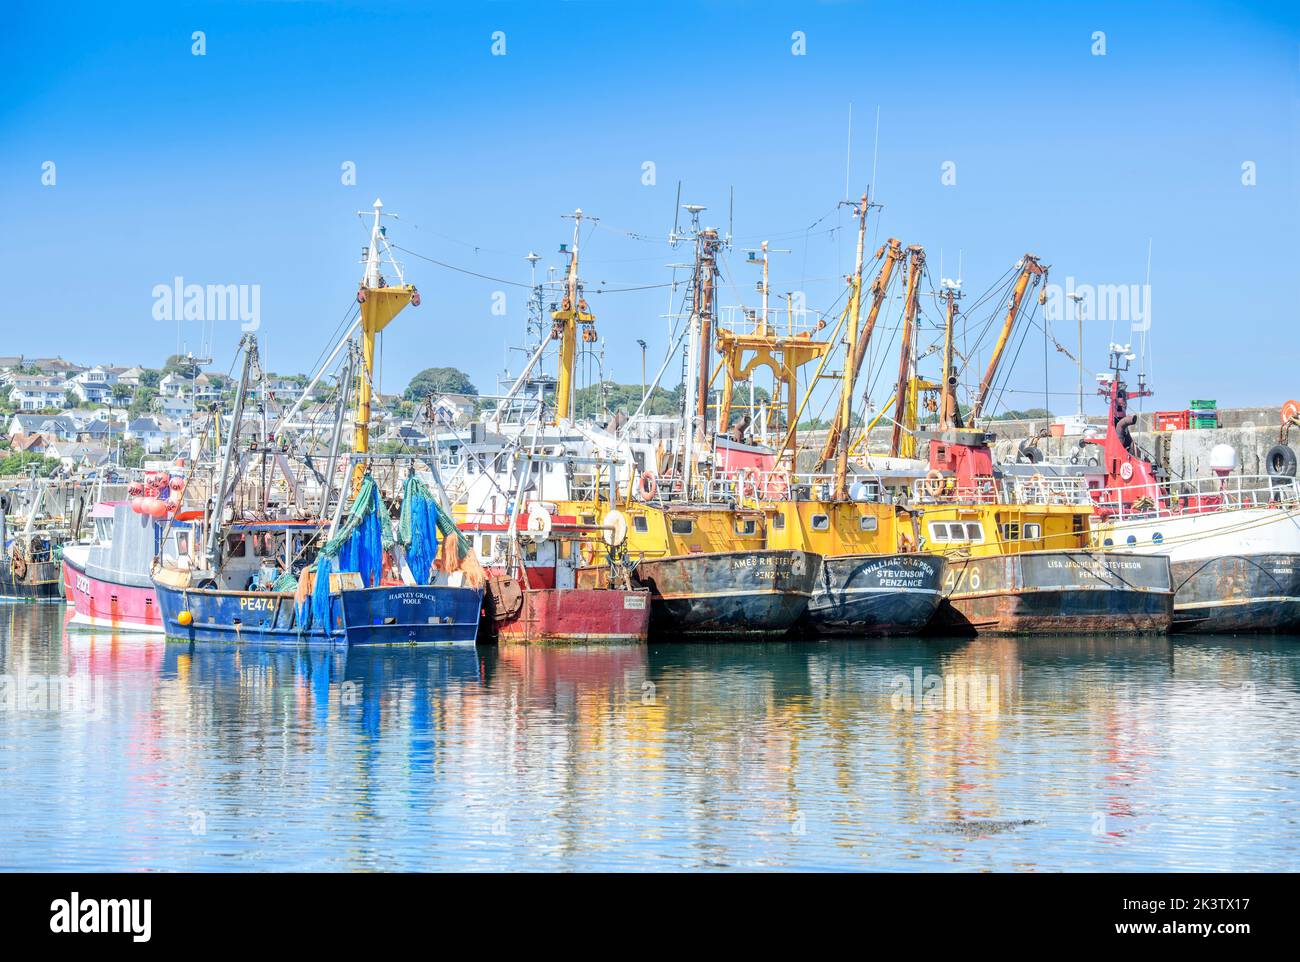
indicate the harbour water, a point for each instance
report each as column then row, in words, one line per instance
column 1080, row 753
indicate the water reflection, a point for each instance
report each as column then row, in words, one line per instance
column 1075, row 753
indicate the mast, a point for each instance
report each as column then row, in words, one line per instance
column 851, row 349
column 902, row 393
column 893, row 254
column 949, row 411
column 344, row 390
column 573, row 313
column 249, row 343
column 1029, row 266
column 380, row 303
column 706, row 248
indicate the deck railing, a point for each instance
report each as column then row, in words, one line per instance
column 1197, row 496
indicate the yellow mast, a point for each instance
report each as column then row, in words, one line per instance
column 1028, row 266
column 903, row 444
column 379, row 305
column 573, row 313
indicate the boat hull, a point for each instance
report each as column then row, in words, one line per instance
column 568, row 615
column 1233, row 570
column 731, row 594
column 39, row 581
column 402, row 615
column 114, row 606
column 1238, row 593
column 1056, row 591
column 874, row 594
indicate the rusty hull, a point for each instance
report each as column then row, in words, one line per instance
column 1056, row 591
column 1258, row 592
column 729, row 594
column 570, row 615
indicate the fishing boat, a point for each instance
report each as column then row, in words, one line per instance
column 532, row 592
column 1232, row 540
column 354, row 581
column 29, row 567
column 108, row 581
column 873, row 579
column 706, row 577
column 1019, row 551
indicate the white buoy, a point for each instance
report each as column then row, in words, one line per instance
column 1223, row 459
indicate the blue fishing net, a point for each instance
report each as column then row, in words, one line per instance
column 418, row 529
column 357, row 546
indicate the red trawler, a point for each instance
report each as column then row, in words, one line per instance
column 532, row 594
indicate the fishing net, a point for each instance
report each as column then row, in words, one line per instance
column 357, row 546
column 417, row 529
column 421, row 522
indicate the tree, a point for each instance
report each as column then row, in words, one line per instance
column 182, row 365
column 614, row 397
column 16, row 464
column 150, row 378
column 122, row 394
column 142, row 403
column 439, row 380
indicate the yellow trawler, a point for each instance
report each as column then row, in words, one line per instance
column 1017, row 547
column 704, row 560
column 873, row 580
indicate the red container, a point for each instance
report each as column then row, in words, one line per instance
column 1172, row 420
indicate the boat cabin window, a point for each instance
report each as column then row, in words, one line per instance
column 639, row 523
column 867, row 523
column 1011, row 532
column 745, row 526
column 530, row 551
column 950, row 531
column 235, row 546
column 778, row 522
column 821, row 522
column 485, row 545
column 1033, row 532
column 682, row 525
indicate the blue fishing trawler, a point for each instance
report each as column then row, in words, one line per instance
column 357, row 583
column 271, row 586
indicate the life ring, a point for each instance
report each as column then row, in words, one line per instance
column 934, row 482
column 745, row 476
column 647, row 486
column 778, row 484
column 1126, row 471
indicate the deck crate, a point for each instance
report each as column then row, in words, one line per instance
column 1172, row 420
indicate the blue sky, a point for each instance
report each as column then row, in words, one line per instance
column 225, row 168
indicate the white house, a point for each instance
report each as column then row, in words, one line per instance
column 94, row 385
column 175, row 385
column 36, row 392
column 58, row 426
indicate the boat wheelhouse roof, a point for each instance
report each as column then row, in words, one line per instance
column 284, row 525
